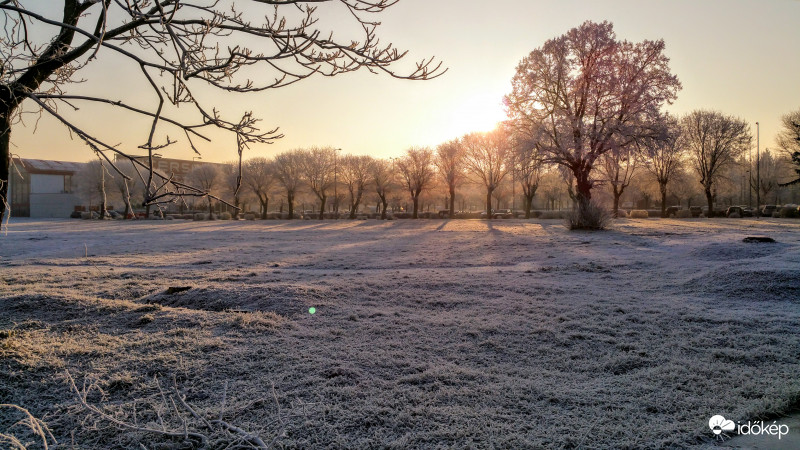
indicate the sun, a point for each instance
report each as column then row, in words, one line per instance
column 479, row 112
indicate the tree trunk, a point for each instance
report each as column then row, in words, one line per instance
column 489, row 204
column 710, row 199
column 385, row 204
column 416, row 206
column 528, row 205
column 210, row 210
column 322, row 206
column 147, row 212
column 616, row 202
column 354, row 206
column 452, row 201
column 236, row 207
column 663, row 188
column 290, row 203
column 5, row 162
column 264, row 203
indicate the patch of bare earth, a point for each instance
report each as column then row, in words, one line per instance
column 510, row 334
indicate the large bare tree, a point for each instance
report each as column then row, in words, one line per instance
column 449, row 161
column 416, row 169
column 318, row 166
column 487, row 157
column 180, row 48
column 258, row 175
column 664, row 156
column 586, row 93
column 356, row 173
column 714, row 141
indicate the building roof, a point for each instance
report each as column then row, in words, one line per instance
column 47, row 166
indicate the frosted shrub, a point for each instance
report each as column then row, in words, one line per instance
column 621, row 214
column 590, row 217
column 639, row 214
column 683, row 214
column 200, row 216
column 249, row 216
column 552, row 215
column 225, row 216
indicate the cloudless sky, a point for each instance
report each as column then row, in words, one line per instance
column 736, row 56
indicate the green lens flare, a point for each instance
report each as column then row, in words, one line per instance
column 312, row 310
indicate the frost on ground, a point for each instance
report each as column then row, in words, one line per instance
column 510, row 334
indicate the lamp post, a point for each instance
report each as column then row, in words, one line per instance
column 758, row 168
column 335, row 183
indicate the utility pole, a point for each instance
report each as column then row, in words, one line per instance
column 335, row 183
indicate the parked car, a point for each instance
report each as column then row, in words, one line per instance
column 502, row 214
column 696, row 211
column 768, row 210
column 747, row 211
column 734, row 210
column 672, row 210
column 75, row 215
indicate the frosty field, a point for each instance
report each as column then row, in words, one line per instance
column 426, row 334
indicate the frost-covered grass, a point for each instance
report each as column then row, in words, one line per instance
column 509, row 334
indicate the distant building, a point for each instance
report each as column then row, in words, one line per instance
column 40, row 188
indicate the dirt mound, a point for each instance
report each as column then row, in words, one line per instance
column 734, row 251
column 286, row 300
column 745, row 284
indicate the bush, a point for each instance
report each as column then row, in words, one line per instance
column 591, row 217
column 621, row 214
column 776, row 214
column 683, row 214
column 200, row 216
column 225, row 215
column 639, row 214
column 249, row 216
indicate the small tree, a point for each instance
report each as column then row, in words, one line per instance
column 318, row 167
column 663, row 156
column 231, row 183
column 289, row 175
column 356, row 171
column 383, row 179
column 259, row 176
column 487, row 158
column 416, row 169
column 127, row 186
column 206, row 177
column 526, row 167
column 789, row 141
column 450, row 164
column 714, row 141
column 93, row 179
column 618, row 169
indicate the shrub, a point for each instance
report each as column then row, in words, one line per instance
column 225, row 215
column 621, row 214
column 683, row 214
column 200, row 216
column 249, row 216
column 86, row 215
column 590, row 217
column 639, row 214
column 776, row 214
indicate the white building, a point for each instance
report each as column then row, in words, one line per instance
column 40, row 188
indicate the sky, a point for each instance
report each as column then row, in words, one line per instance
column 735, row 56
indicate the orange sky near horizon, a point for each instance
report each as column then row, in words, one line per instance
column 736, row 56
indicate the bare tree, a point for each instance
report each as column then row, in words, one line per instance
column 127, row 186
column 206, row 177
column 664, row 156
column 450, row 164
column 259, row 176
column 714, row 141
column 178, row 46
column 231, row 183
column 789, row 141
column 770, row 166
column 527, row 162
column 618, row 169
column 317, row 166
column 383, row 179
column 356, row 171
column 93, row 179
column 289, row 174
column 487, row 157
column 586, row 94
column 416, row 169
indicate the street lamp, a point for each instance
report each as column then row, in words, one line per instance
column 758, row 168
column 335, row 183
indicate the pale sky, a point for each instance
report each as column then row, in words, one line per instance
column 736, row 56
